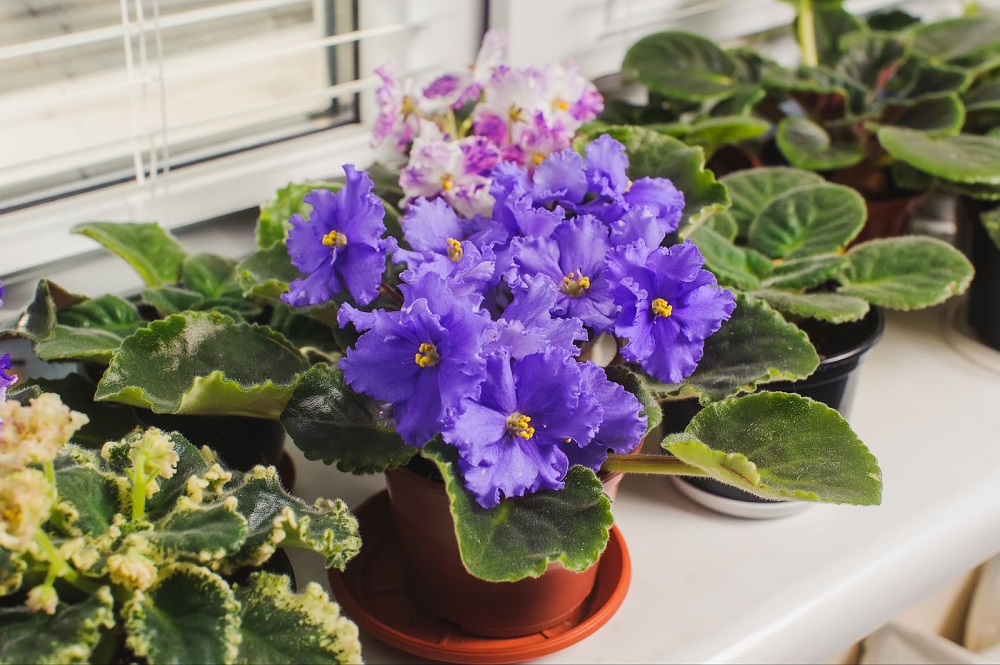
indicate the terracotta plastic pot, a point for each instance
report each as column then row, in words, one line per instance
column 983, row 301
column 438, row 583
column 841, row 348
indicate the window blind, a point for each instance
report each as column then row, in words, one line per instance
column 183, row 110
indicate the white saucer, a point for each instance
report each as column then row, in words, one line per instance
column 736, row 508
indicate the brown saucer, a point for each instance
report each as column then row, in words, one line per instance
column 371, row 591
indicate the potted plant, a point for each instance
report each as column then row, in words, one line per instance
column 165, row 353
column 151, row 549
column 875, row 104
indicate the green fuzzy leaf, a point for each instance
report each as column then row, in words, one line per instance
column 279, row 626
column 918, row 80
column 804, row 273
column 12, row 568
column 521, row 536
column 84, row 344
column 654, row 155
column 984, row 97
column 817, row 219
column 869, row 56
column 267, row 272
column 327, row 420
column 275, row 517
column 68, row 636
column 40, row 317
column 936, row 116
column 755, row 345
column 832, row 24
column 272, row 223
column 199, row 533
column 964, row 158
column 208, row 274
column 90, row 330
column 682, row 65
column 151, row 250
column 167, row 300
column 807, row 145
column 185, row 364
column 834, row 307
column 737, row 266
column 96, row 496
column 991, row 222
column 905, row 273
column 108, row 421
column 189, row 616
column 715, row 132
column 781, row 446
column 751, row 190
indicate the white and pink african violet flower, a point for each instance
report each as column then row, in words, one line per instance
column 456, row 171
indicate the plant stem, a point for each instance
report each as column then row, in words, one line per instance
column 59, row 567
column 807, row 33
column 663, row 465
column 391, row 292
column 139, row 481
column 50, row 473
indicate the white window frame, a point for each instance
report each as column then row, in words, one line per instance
column 436, row 34
column 596, row 33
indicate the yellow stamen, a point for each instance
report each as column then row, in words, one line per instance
column 560, row 104
column 446, row 182
column 427, row 355
column 575, row 286
column 537, row 158
column 514, row 113
column 334, row 239
column 454, row 250
column 519, row 424
column 661, row 308
column 408, row 105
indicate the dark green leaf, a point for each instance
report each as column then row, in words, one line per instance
column 167, row 300
column 279, row 626
column 732, row 265
column 199, row 533
column 717, row 131
column 520, row 537
column 40, row 317
column 327, row 420
column 208, row 274
column 275, row 517
column 68, row 636
column 267, row 272
column 149, row 248
column 682, row 65
column 753, row 189
column 781, row 446
column 754, row 346
column 807, row 145
column 805, row 272
column 935, row 116
column 85, row 344
column 870, row 58
column 832, row 24
column 950, row 39
column 189, row 616
column 95, row 495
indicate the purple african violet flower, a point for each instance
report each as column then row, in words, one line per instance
column 526, row 324
column 340, row 245
column 670, row 305
column 457, row 171
column 623, row 422
column 511, row 439
column 6, row 380
column 466, row 269
column 423, row 359
column 433, row 226
column 573, row 258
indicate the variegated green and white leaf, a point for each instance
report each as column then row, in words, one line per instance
column 68, row 636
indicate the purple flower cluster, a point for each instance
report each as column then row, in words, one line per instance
column 519, row 114
column 484, row 347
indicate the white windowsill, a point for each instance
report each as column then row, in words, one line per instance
column 710, row 588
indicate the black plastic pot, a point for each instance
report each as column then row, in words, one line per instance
column 841, row 348
column 983, row 301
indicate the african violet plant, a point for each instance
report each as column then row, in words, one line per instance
column 875, row 104
column 152, row 550
column 468, row 338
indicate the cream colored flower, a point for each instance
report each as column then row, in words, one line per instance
column 26, row 500
column 42, row 598
column 35, row 433
column 156, row 451
column 132, row 570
